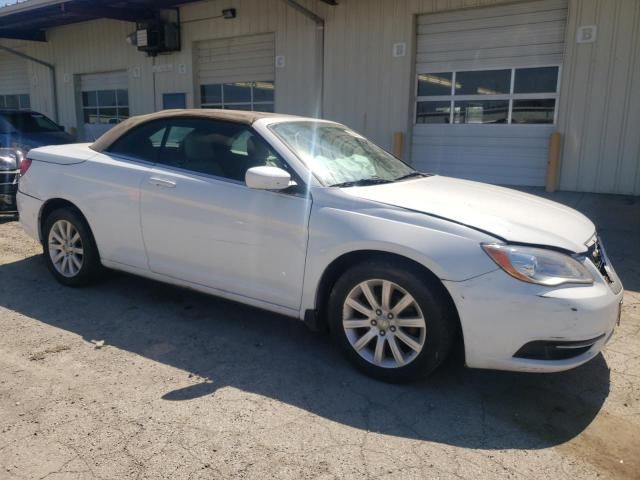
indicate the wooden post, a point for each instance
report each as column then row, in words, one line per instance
column 398, row 145
column 553, row 162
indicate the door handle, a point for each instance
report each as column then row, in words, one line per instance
column 161, row 182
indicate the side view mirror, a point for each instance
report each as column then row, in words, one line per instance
column 267, row 178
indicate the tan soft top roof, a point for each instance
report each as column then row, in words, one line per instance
column 238, row 116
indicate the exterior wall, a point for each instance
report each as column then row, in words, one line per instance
column 365, row 86
column 14, row 77
column 600, row 99
column 100, row 46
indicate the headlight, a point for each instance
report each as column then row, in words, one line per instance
column 537, row 265
column 10, row 158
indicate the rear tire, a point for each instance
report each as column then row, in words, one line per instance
column 402, row 327
column 70, row 250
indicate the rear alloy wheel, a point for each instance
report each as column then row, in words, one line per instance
column 392, row 320
column 65, row 248
column 70, row 251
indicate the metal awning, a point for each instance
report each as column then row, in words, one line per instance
column 29, row 19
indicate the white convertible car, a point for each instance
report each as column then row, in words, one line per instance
column 309, row 219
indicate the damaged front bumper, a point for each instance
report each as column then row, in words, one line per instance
column 512, row 325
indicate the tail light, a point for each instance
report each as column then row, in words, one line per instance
column 24, row 166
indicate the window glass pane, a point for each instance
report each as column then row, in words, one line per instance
column 176, row 136
column 487, row 82
column 239, row 144
column 536, row 80
column 89, row 99
column 211, row 93
column 481, row 111
column 29, row 122
column 264, row 107
column 108, row 116
column 1, row 101
column 336, row 154
column 90, row 115
column 43, row 124
column 123, row 113
column 156, row 138
column 106, row 98
column 434, row 84
column 236, row 106
column 142, row 142
column 174, row 100
column 123, row 97
column 533, row 111
column 263, row 92
column 237, row 92
column 212, row 106
column 433, row 112
column 11, row 101
column 25, row 102
column 212, row 147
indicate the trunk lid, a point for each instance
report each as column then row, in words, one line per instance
column 62, row 154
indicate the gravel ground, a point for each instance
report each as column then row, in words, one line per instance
column 190, row 386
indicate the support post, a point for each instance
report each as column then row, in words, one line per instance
column 398, row 145
column 553, row 162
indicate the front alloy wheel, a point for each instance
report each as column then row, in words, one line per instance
column 384, row 323
column 394, row 320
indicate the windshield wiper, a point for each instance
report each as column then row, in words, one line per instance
column 410, row 175
column 362, row 182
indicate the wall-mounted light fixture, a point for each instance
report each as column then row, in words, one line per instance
column 229, row 13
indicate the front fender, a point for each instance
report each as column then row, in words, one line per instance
column 452, row 252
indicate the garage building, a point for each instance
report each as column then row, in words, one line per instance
column 468, row 88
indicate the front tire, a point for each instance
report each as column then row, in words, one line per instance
column 391, row 320
column 70, row 251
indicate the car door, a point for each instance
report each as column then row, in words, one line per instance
column 202, row 224
column 111, row 193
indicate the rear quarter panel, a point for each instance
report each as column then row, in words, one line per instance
column 104, row 189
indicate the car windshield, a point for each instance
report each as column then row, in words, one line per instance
column 30, row 122
column 340, row 157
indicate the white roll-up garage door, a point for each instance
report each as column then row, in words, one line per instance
column 237, row 73
column 104, row 102
column 14, row 82
column 487, row 91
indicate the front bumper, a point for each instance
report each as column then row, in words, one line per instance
column 512, row 325
column 8, row 189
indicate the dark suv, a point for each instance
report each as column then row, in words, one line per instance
column 21, row 131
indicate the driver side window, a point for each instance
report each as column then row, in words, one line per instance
column 218, row 148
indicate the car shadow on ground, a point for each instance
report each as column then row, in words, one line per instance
column 233, row 345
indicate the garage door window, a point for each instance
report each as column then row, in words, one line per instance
column 252, row 96
column 498, row 96
column 15, row 102
column 106, row 107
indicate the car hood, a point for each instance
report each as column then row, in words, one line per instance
column 37, row 139
column 508, row 214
